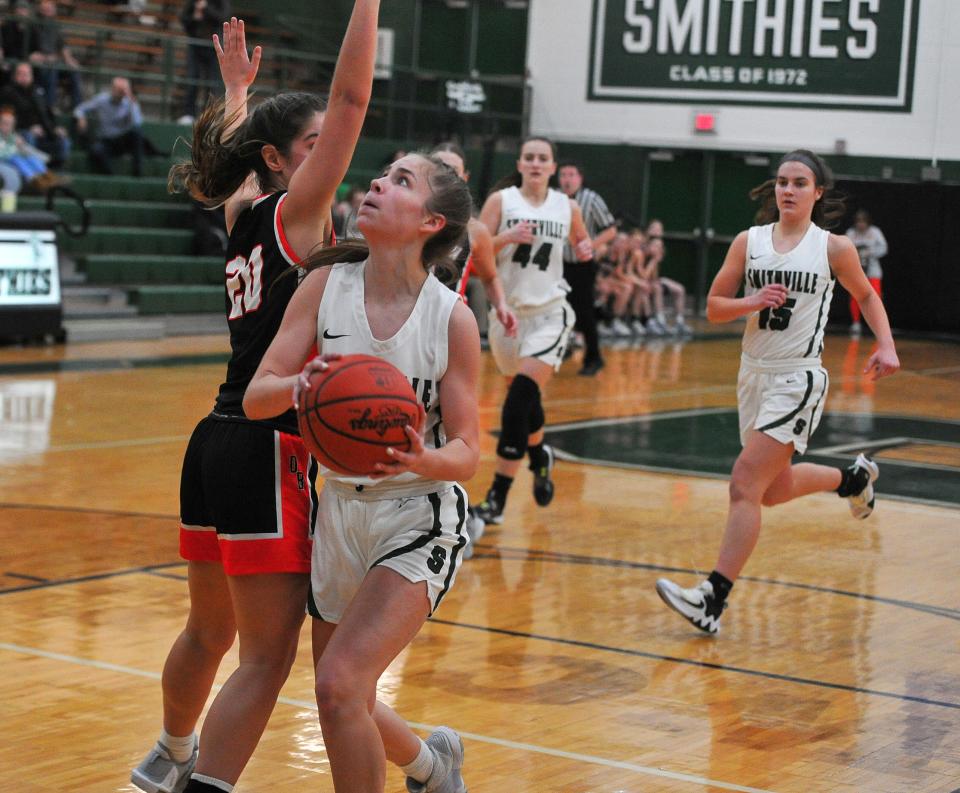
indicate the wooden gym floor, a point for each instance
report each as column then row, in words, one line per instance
column 837, row 668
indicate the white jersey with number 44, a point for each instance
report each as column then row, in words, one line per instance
column 532, row 273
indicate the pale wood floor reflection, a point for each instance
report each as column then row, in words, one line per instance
column 837, row 668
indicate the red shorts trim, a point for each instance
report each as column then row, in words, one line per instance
column 283, row 547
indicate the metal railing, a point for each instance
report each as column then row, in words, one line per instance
column 412, row 104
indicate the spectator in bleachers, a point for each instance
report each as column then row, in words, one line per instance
column 34, row 119
column 117, row 131
column 201, row 19
column 660, row 284
column 52, row 58
column 29, row 163
column 15, row 36
column 10, row 185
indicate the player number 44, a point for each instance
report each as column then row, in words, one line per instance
column 541, row 258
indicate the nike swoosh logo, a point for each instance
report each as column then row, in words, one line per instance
column 754, row 257
column 328, row 335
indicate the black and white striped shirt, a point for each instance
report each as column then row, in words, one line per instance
column 596, row 217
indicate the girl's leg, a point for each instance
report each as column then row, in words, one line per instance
column 762, row 460
column 678, row 293
column 195, row 656
column 541, row 374
column 621, row 298
column 801, row 480
column 269, row 610
column 383, row 617
column 401, row 744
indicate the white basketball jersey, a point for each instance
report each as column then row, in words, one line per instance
column 532, row 274
column 795, row 330
column 419, row 349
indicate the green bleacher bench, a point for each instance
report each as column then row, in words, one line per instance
column 177, row 299
column 114, row 268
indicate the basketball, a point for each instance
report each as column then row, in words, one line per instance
column 354, row 411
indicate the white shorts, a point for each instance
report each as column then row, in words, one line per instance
column 420, row 537
column 787, row 406
column 542, row 335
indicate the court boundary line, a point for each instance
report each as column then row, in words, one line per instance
column 153, row 570
column 702, row 664
column 502, row 742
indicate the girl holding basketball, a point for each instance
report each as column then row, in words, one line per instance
column 246, row 496
column 387, row 545
column 529, row 222
column 787, row 268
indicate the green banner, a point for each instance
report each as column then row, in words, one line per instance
column 854, row 54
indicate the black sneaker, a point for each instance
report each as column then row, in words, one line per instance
column 542, row 484
column 590, row 368
column 488, row 510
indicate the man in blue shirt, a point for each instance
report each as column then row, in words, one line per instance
column 117, row 130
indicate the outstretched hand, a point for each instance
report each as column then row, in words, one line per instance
column 237, row 69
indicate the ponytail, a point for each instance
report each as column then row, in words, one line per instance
column 218, row 167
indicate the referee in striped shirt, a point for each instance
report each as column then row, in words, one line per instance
column 581, row 275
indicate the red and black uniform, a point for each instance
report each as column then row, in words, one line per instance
column 247, row 496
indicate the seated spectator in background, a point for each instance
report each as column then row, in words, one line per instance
column 15, row 36
column 117, row 120
column 656, row 251
column 615, row 288
column 200, row 20
column 52, row 58
column 29, row 163
column 10, row 185
column 34, row 119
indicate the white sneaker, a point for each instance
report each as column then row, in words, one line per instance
column 475, row 529
column 620, row 328
column 699, row 605
column 447, row 762
column 656, row 327
column 637, row 327
column 604, row 330
column 158, row 772
column 855, row 329
column 861, row 504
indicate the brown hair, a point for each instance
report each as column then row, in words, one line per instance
column 218, row 167
column 827, row 211
column 449, row 197
column 515, row 179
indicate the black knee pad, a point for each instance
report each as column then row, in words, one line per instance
column 515, row 418
column 537, row 418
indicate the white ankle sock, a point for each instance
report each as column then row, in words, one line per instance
column 180, row 748
column 219, row 784
column 421, row 768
